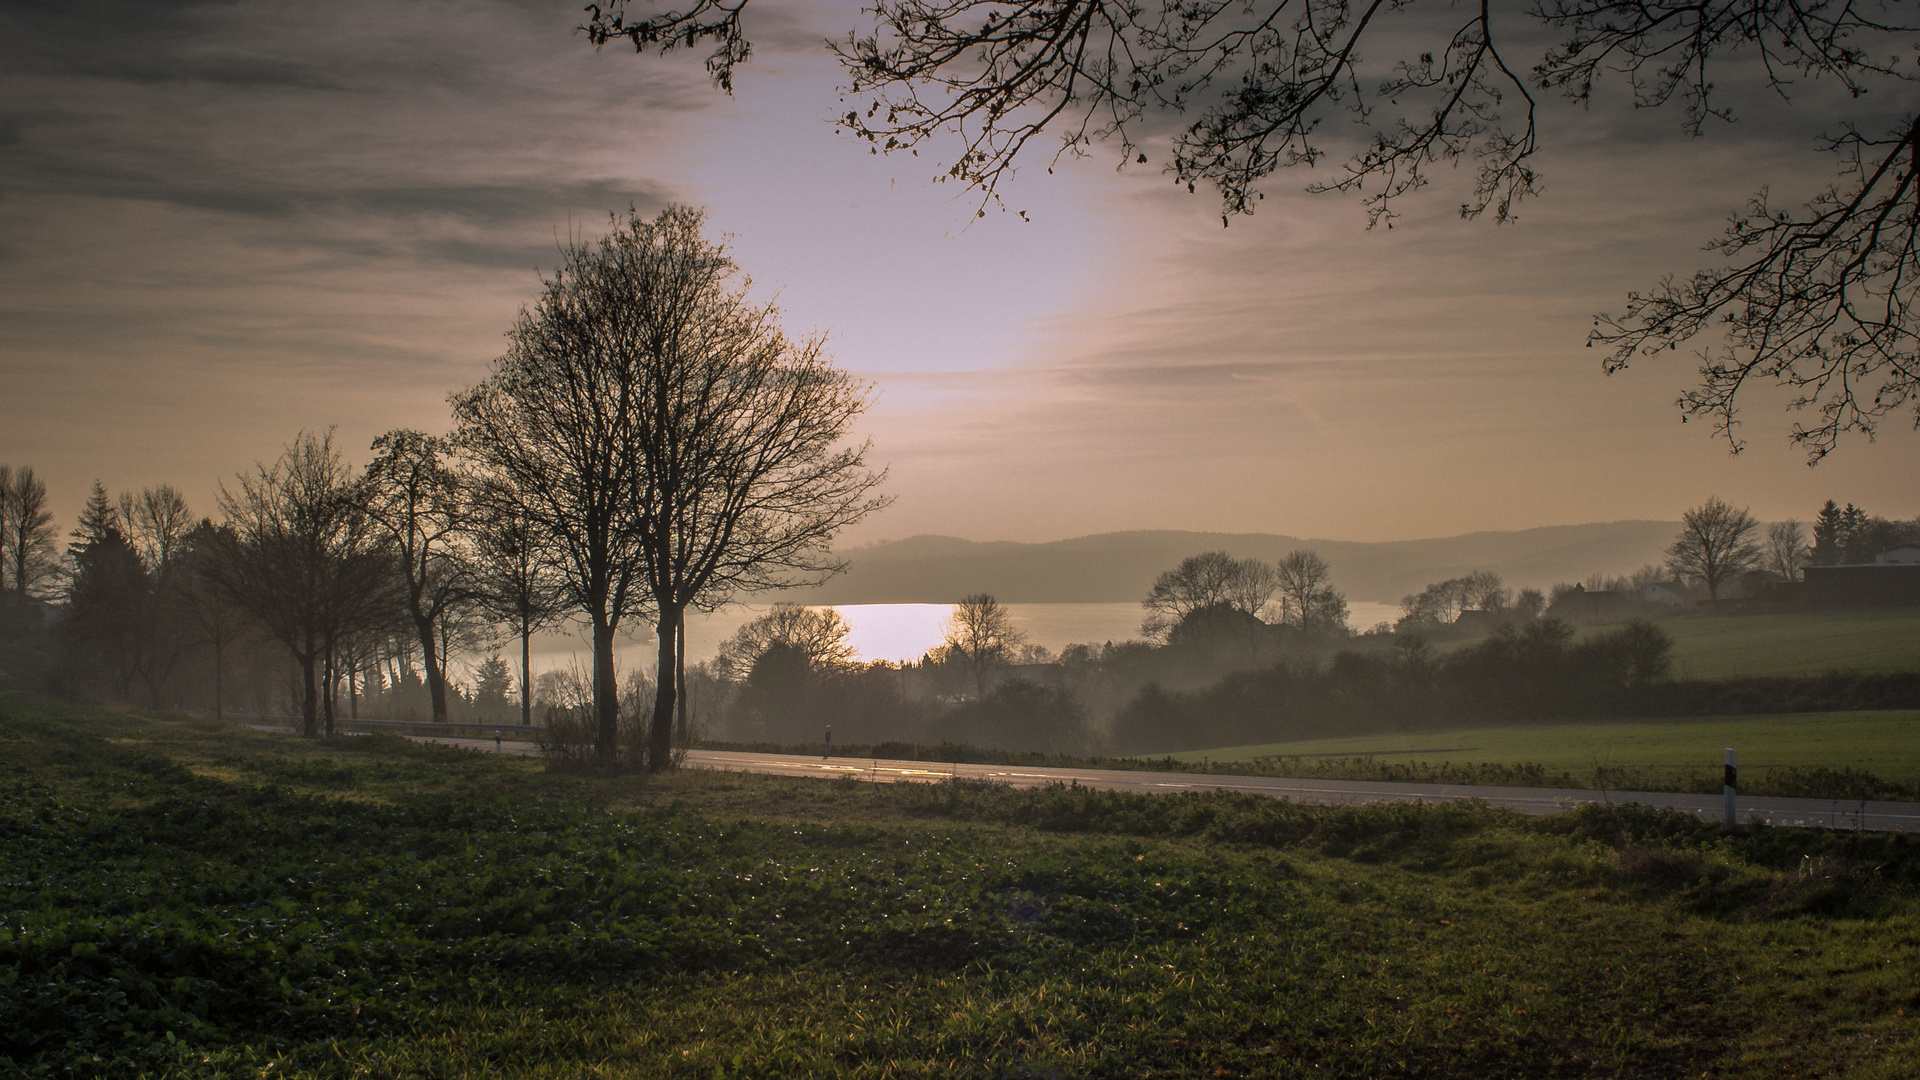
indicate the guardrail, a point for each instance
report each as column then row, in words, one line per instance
column 516, row 732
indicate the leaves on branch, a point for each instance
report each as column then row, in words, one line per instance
column 707, row 20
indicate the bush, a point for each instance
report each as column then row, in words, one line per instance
column 1019, row 715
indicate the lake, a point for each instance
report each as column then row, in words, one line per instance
column 896, row 632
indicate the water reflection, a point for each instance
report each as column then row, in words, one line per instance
column 893, row 632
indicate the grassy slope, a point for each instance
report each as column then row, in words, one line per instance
column 1801, row 643
column 181, row 899
column 1794, row 643
column 1884, row 743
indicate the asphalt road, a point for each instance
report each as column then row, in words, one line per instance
column 1817, row 813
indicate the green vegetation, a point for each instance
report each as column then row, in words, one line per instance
column 1797, row 643
column 1886, row 743
column 179, row 898
column 1873, row 755
column 1785, row 643
column 1836, row 755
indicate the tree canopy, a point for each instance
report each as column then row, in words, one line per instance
column 1207, row 580
column 299, row 555
column 675, row 445
column 818, row 636
column 980, row 634
column 1716, row 545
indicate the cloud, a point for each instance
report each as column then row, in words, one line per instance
column 226, row 221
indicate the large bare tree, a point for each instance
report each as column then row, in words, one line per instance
column 297, row 552
column 1787, row 550
column 1819, row 297
column 981, row 635
column 745, row 474
column 816, row 635
column 551, row 429
column 675, row 447
column 26, row 533
column 517, row 585
column 1715, row 545
column 156, row 522
column 555, row 423
column 1308, row 599
column 421, row 502
column 1207, row 580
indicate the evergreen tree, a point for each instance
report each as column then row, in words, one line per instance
column 1855, row 542
column 104, row 635
column 97, row 519
column 492, row 682
column 1827, row 546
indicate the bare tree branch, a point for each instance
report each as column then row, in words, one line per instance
column 1818, row 301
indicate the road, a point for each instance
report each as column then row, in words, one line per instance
column 1816, row 813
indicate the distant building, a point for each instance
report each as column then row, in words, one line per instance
column 1892, row 579
column 1478, row 621
column 1670, row 594
column 1582, row 605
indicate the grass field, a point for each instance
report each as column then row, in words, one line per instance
column 1886, row 744
column 1798, row 643
column 180, row 898
column 1789, row 643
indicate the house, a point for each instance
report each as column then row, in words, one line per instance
column 1582, row 605
column 1478, row 621
column 1892, row 579
column 1670, row 594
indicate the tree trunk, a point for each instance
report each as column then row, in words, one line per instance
column 680, row 677
column 606, row 700
column 436, row 683
column 660, row 736
column 310, row 695
column 326, row 690
column 526, row 676
column 219, row 686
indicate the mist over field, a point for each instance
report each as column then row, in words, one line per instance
column 1364, row 541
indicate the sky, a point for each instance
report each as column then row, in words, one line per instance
column 225, row 223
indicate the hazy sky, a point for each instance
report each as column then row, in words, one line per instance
column 221, row 223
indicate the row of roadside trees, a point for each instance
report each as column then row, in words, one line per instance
column 651, row 441
column 369, row 582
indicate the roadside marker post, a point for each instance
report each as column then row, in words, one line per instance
column 827, row 752
column 1732, row 785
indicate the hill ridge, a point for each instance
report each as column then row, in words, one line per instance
column 1119, row 566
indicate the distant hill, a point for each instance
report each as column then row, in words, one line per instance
column 1115, row 567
